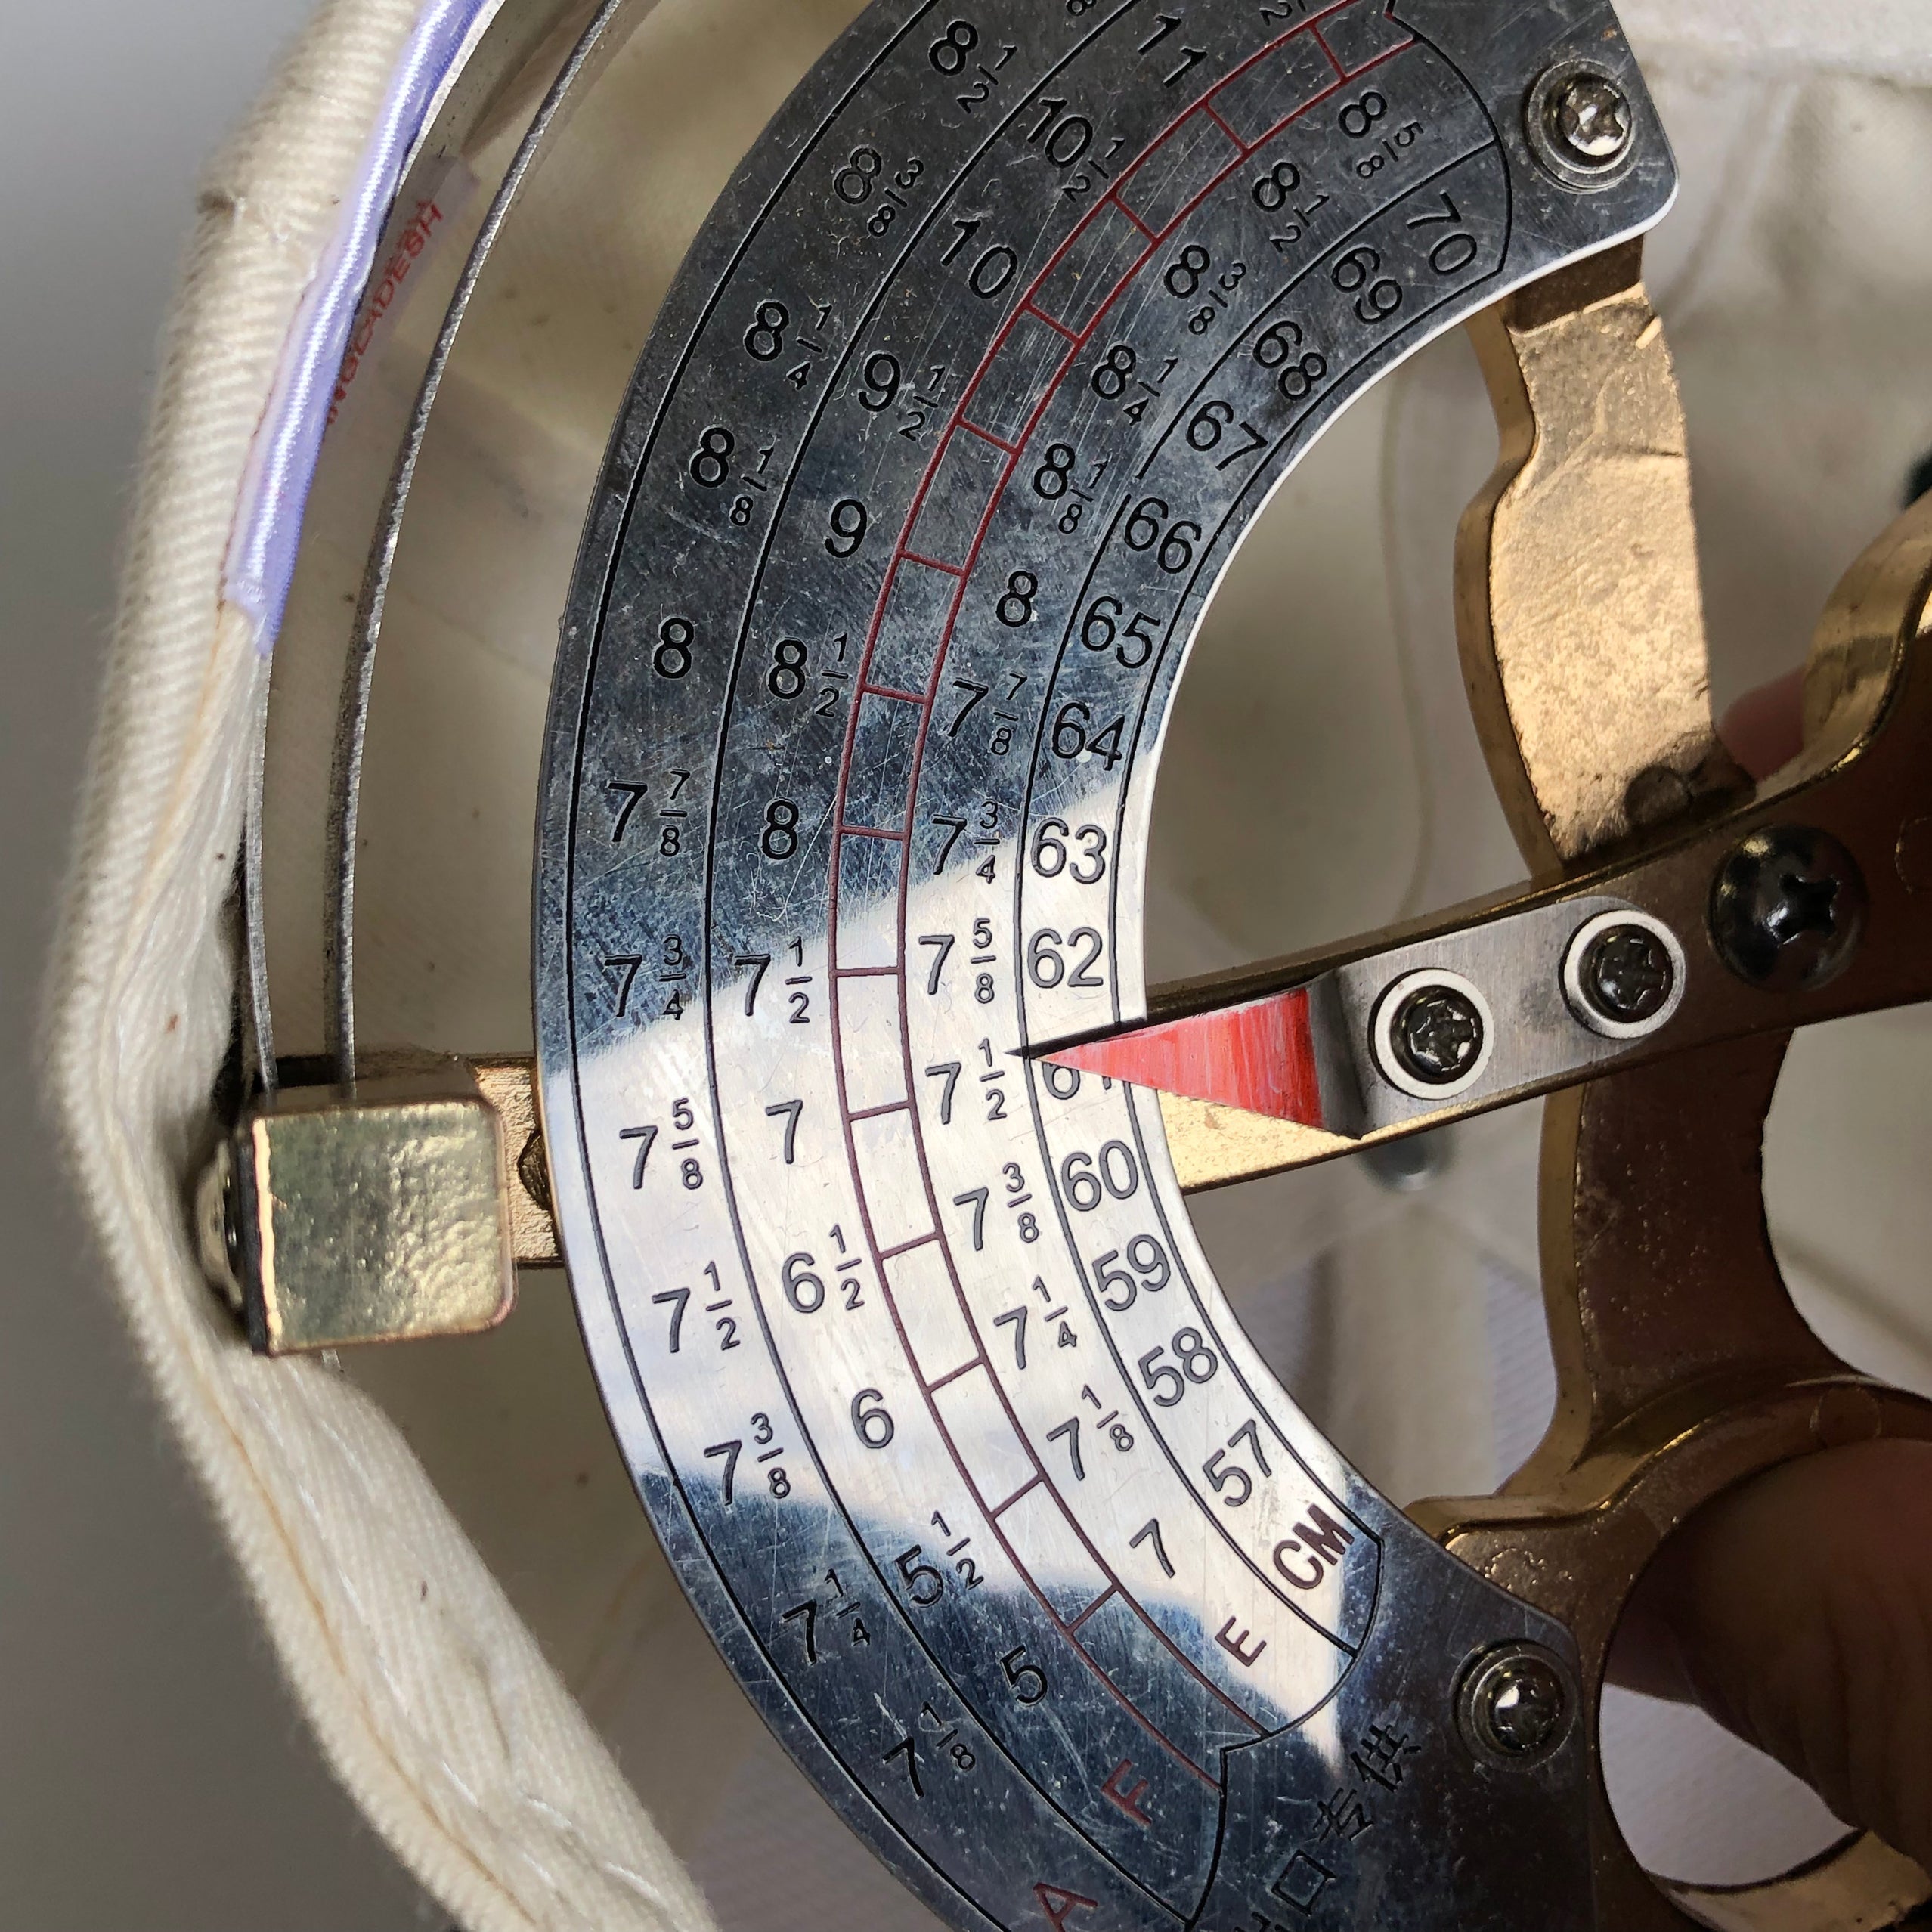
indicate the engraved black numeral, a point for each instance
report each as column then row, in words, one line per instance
column 1029, row 1680
column 908, row 1749
column 847, row 531
column 677, row 1297
column 730, row 1451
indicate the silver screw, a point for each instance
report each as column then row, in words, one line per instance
column 1624, row 974
column 1515, row 1706
column 1628, row 975
column 1581, row 124
column 1431, row 1033
column 1438, row 1035
column 1590, row 115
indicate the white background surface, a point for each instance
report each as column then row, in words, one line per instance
column 153, row 1773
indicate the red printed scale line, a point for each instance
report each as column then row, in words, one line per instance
column 1026, row 1488
column 986, row 1509
column 904, row 554
column 953, row 1375
column 1028, row 305
column 989, row 1509
column 1038, row 314
column 906, row 1247
column 1208, row 109
column 1097, row 1603
column 985, row 435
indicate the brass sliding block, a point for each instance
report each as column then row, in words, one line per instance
column 379, row 1211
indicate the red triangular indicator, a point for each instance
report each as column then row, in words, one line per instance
column 1057, row 1904
column 1259, row 1057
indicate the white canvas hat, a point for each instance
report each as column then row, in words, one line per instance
column 445, row 1549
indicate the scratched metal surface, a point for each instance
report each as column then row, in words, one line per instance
column 964, row 397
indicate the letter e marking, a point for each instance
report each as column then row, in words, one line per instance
column 1117, row 1790
column 1232, row 1641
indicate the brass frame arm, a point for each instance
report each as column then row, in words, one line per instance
column 1683, row 1366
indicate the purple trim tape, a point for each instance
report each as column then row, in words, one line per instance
column 281, row 462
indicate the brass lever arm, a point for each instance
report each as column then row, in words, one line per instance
column 1683, row 1367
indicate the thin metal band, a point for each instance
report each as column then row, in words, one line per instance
column 608, row 27
column 551, row 49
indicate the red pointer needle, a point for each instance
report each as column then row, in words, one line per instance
column 1259, row 1057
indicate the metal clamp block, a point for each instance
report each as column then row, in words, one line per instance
column 379, row 1211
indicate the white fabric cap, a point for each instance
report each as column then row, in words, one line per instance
column 1794, row 278
column 432, row 1701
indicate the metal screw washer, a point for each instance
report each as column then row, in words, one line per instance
column 1432, row 1034
column 1788, row 909
column 1581, row 124
column 1627, row 975
column 218, row 1226
column 1623, row 974
column 1515, row 1706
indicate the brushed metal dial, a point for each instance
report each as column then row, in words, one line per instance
column 967, row 391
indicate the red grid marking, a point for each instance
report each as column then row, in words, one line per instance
column 874, row 1112
column 985, row 436
column 887, row 691
column 1208, row 109
column 963, row 575
column 1028, row 305
column 1351, row 73
column 1130, row 183
column 871, row 831
column 1032, row 1483
column 1112, row 1589
column 882, row 1255
column 1080, row 338
column 1027, row 308
column 987, row 1511
column 952, row 1375
column 1025, row 1489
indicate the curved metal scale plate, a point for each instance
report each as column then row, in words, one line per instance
column 967, row 391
